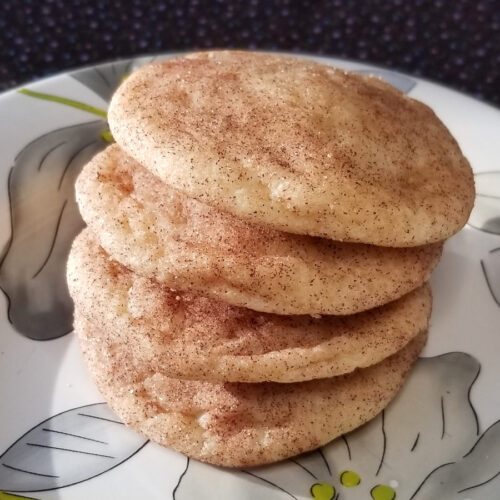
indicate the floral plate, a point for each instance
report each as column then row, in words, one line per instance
column 440, row 438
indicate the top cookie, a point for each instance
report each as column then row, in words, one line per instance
column 303, row 147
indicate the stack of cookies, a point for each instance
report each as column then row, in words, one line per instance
column 252, row 281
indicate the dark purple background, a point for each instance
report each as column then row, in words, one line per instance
column 456, row 42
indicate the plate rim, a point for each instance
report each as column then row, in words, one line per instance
column 326, row 57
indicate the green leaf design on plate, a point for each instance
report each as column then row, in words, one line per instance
column 107, row 136
column 9, row 496
column 67, row 102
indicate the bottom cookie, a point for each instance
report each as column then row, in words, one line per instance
column 240, row 424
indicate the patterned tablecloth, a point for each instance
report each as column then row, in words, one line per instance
column 453, row 42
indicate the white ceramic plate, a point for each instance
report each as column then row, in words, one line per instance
column 439, row 440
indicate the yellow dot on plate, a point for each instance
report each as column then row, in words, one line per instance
column 322, row 491
column 383, row 492
column 349, row 478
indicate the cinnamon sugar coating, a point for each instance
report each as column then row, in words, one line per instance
column 185, row 335
column 161, row 233
column 302, row 147
column 235, row 424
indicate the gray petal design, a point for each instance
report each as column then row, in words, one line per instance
column 206, row 482
column 44, row 222
column 66, row 449
column 420, row 443
column 491, row 270
column 105, row 78
column 485, row 215
column 400, row 81
column 431, row 422
column 476, row 475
